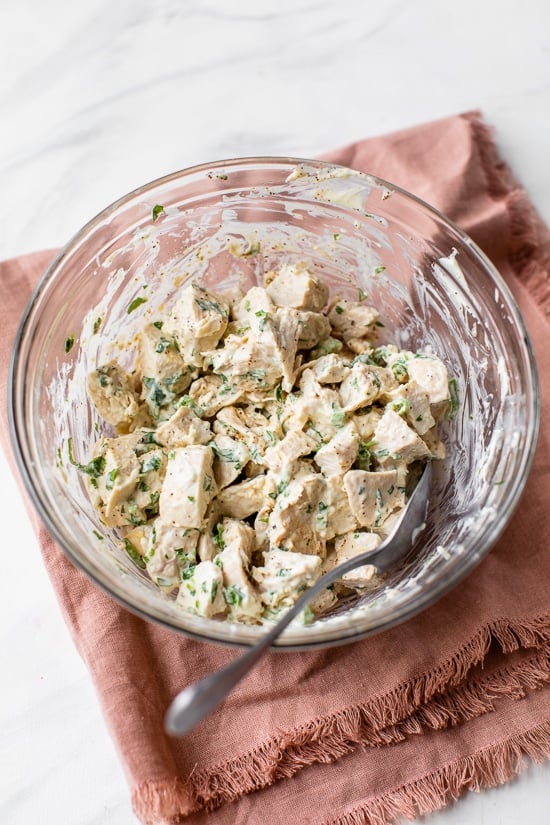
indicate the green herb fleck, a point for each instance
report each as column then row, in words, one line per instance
column 187, row 401
column 399, row 369
column 69, row 343
column 111, row 478
column 157, row 210
column 151, row 464
column 453, row 399
column 134, row 554
column 338, row 417
column 94, row 468
column 217, row 537
column 364, row 458
column 263, row 316
column 208, row 305
column 232, row 595
column 400, row 406
column 135, row 304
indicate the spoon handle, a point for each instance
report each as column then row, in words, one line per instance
column 197, row 700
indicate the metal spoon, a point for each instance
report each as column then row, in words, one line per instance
column 197, row 700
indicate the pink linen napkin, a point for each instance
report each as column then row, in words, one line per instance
column 398, row 724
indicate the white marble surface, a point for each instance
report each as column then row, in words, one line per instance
column 97, row 98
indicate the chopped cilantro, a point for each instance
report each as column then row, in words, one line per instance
column 263, row 316
column 135, row 304
column 217, row 537
column 69, row 343
column 94, row 468
column 157, row 211
column 232, row 595
column 400, row 406
column 134, row 554
column 454, row 402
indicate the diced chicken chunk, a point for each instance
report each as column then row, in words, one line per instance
column 239, row 593
column 396, row 441
column 255, row 301
column 340, row 517
column 230, row 458
column 298, row 521
column 246, row 425
column 330, row 369
column 198, row 314
column 373, row 495
column 112, row 393
column 352, row 545
column 364, row 384
column 282, row 454
column 431, row 375
column 164, row 373
column 413, row 403
column 366, row 422
column 318, row 410
column 188, row 486
column 294, row 286
column 284, row 575
column 312, row 328
column 209, row 543
column 336, row 457
column 202, row 592
column 262, row 356
column 352, row 319
column 114, row 484
column 244, row 499
column 235, row 533
column 171, row 550
column 183, row 429
column 212, row 392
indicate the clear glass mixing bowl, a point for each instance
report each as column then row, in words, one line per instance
column 225, row 224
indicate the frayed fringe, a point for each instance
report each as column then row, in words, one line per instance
column 162, row 802
column 529, row 238
column 487, row 768
column 436, row 700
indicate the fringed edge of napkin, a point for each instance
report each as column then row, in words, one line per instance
column 435, row 700
column 487, row 768
column 529, row 241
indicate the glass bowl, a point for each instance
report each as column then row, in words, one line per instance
column 226, row 224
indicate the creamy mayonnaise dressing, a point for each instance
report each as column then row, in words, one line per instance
column 262, row 436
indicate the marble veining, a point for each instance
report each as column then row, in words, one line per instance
column 97, row 98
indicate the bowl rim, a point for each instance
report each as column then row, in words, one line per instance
column 424, row 599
